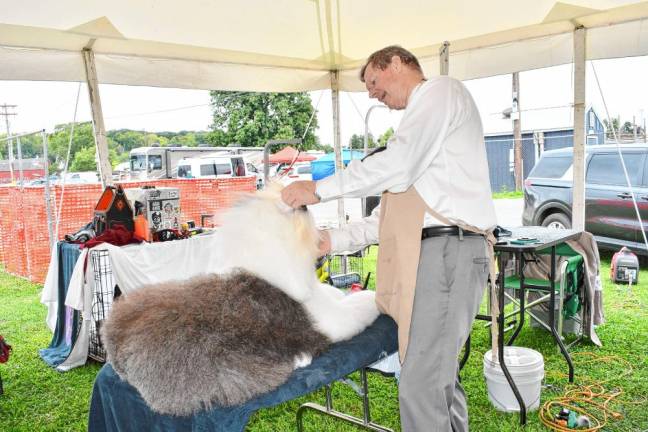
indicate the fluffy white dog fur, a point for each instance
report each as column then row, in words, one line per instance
column 229, row 337
column 280, row 245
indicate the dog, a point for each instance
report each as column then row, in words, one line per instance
column 223, row 339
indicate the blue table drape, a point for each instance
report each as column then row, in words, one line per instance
column 67, row 320
column 116, row 406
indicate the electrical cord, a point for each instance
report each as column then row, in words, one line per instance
column 591, row 400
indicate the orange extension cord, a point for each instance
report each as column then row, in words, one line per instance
column 590, row 400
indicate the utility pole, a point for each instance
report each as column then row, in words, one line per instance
column 517, row 133
column 5, row 112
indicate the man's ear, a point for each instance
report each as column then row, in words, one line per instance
column 396, row 63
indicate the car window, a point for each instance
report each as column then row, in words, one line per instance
column 138, row 162
column 184, row 171
column 306, row 169
column 207, row 169
column 223, row 169
column 155, row 161
column 606, row 168
column 552, row 167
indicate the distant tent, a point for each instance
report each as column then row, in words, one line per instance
column 287, row 154
column 325, row 166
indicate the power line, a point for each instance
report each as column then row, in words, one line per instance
column 569, row 105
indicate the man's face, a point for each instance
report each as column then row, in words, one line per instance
column 386, row 85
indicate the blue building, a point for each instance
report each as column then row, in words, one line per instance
column 499, row 148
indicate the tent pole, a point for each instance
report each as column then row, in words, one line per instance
column 444, row 62
column 105, row 169
column 48, row 200
column 337, row 145
column 578, row 206
column 516, row 113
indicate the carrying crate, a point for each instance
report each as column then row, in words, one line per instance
column 104, row 293
column 346, row 269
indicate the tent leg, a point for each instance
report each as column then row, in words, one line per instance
column 578, row 208
column 105, row 169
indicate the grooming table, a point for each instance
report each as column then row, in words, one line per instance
column 116, row 406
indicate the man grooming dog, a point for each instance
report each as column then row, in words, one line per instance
column 431, row 272
column 226, row 338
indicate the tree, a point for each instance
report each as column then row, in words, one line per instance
column 382, row 140
column 627, row 128
column 126, row 139
column 31, row 146
column 357, row 142
column 59, row 140
column 251, row 119
column 84, row 160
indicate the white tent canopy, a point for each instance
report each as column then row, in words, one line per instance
column 292, row 45
column 299, row 45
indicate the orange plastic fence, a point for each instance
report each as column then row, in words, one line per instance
column 24, row 236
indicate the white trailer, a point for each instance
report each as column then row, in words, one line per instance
column 162, row 162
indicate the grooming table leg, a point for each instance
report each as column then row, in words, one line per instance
column 365, row 422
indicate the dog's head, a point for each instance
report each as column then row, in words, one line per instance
column 262, row 234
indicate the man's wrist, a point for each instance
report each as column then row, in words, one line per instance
column 317, row 195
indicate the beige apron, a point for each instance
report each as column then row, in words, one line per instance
column 401, row 221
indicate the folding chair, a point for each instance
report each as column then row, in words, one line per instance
column 570, row 291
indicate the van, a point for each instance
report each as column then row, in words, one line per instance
column 609, row 211
column 212, row 167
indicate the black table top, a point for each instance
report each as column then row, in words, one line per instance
column 533, row 238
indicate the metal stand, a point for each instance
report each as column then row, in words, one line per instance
column 500, row 345
column 552, row 303
column 364, row 422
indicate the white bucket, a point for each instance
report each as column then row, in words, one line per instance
column 526, row 367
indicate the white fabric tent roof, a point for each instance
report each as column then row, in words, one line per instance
column 292, row 45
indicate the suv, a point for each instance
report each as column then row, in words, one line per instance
column 609, row 213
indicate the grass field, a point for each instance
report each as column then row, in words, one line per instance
column 37, row 398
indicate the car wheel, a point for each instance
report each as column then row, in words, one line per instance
column 557, row 221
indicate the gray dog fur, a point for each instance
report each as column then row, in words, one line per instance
column 215, row 339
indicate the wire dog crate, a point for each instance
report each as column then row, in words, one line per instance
column 102, row 299
column 346, row 269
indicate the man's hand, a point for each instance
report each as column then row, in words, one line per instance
column 299, row 193
column 324, row 243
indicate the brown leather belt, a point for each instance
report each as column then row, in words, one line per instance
column 436, row 231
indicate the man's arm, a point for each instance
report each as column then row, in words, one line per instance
column 354, row 236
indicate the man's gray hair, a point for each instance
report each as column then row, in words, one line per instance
column 382, row 58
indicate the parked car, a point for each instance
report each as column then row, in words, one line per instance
column 252, row 169
column 609, row 212
column 299, row 171
column 82, row 177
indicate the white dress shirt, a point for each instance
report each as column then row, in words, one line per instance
column 439, row 148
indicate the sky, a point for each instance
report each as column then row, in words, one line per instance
column 545, row 97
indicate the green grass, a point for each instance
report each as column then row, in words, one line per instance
column 37, row 398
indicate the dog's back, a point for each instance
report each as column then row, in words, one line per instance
column 219, row 339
